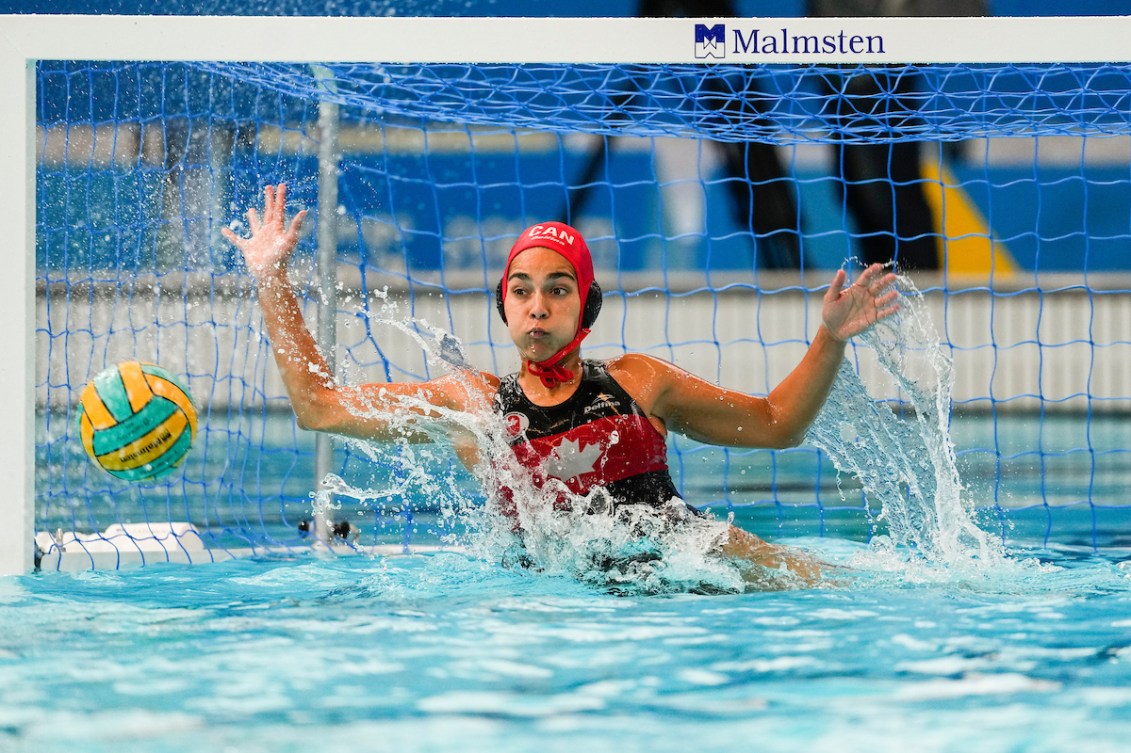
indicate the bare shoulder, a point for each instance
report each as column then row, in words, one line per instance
column 644, row 377
column 637, row 365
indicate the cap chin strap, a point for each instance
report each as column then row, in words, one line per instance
column 549, row 371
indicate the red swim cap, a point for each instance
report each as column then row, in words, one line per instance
column 560, row 237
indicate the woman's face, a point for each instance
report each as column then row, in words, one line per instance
column 542, row 303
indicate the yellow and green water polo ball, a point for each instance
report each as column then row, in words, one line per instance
column 136, row 421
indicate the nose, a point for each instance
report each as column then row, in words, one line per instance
column 538, row 306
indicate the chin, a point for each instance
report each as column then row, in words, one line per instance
column 539, row 353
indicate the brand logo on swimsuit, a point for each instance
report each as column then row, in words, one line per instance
column 604, row 402
column 516, row 423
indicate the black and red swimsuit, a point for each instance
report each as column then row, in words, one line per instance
column 598, row 437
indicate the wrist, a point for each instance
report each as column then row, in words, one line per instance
column 830, row 335
column 274, row 277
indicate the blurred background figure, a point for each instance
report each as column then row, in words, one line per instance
column 882, row 184
column 762, row 195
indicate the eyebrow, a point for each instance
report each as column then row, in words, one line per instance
column 552, row 276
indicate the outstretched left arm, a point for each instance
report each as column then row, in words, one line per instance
column 703, row 411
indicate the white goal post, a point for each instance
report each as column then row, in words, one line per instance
column 27, row 39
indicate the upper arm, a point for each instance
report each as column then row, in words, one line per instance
column 696, row 408
column 384, row 410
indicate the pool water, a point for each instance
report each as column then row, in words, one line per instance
column 446, row 652
column 939, row 626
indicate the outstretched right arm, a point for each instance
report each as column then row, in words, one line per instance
column 319, row 403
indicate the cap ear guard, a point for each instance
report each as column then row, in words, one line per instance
column 499, row 301
column 593, row 303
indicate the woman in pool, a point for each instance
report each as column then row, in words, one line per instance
column 561, row 412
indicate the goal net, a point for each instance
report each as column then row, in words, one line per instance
column 718, row 201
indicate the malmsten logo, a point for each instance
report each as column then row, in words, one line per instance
column 710, row 41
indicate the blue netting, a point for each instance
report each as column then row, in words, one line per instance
column 140, row 164
column 775, row 103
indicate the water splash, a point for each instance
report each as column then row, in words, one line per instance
column 625, row 550
column 906, row 463
column 637, row 550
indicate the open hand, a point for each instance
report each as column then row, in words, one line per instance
column 272, row 240
column 850, row 311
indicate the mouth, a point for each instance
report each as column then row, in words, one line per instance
column 537, row 334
